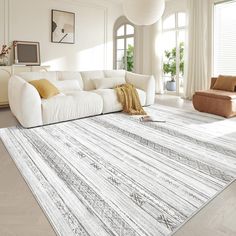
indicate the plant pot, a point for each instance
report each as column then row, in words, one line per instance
column 171, row 85
column 3, row 60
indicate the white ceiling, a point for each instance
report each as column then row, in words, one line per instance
column 117, row 1
column 120, row 1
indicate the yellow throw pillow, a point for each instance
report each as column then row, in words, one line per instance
column 44, row 88
column 226, row 83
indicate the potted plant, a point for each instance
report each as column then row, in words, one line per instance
column 169, row 66
column 4, row 55
column 129, row 58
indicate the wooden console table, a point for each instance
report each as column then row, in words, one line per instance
column 6, row 72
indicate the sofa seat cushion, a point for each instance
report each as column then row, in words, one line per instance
column 110, row 100
column 71, row 105
column 217, row 94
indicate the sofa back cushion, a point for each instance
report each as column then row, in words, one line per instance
column 114, row 73
column 226, row 83
column 87, row 77
column 108, row 83
column 29, row 76
column 67, row 85
column 70, row 75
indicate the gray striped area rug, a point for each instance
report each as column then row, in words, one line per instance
column 115, row 175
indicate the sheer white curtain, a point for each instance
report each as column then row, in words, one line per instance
column 157, row 55
column 199, row 48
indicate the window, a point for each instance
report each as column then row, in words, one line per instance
column 124, row 47
column 174, row 29
column 225, row 38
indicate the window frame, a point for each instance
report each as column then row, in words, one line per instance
column 215, row 72
column 177, row 29
column 123, row 21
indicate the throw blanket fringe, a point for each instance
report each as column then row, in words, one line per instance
column 128, row 97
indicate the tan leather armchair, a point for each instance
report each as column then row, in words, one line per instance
column 218, row 102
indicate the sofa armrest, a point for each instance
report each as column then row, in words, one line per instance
column 25, row 102
column 145, row 83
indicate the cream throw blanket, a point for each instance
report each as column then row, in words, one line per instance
column 128, row 97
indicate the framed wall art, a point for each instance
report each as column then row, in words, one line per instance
column 63, row 27
column 26, row 53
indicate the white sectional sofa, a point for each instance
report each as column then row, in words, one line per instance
column 32, row 111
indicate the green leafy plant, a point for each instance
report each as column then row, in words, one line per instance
column 5, row 50
column 129, row 58
column 4, row 55
column 169, row 65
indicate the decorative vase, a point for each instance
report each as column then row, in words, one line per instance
column 3, row 60
column 171, row 85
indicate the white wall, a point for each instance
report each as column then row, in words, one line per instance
column 147, row 50
column 173, row 6
column 1, row 20
column 30, row 20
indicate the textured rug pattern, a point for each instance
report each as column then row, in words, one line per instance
column 115, row 175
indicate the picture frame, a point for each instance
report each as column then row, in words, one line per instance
column 62, row 27
column 26, row 53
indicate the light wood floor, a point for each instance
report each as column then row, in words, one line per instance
column 20, row 214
